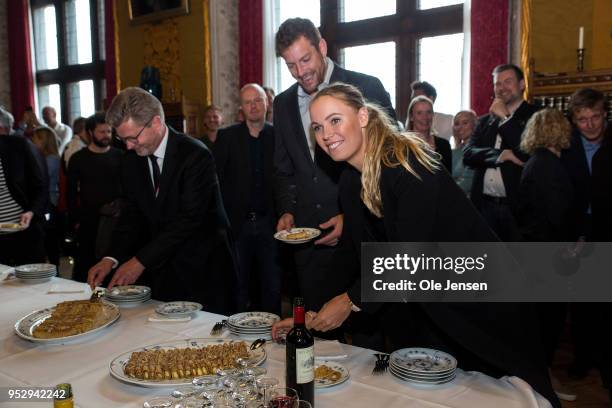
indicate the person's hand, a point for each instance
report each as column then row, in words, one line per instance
column 332, row 314
column 127, row 273
column 331, row 239
column 98, row 272
column 26, row 218
column 498, row 108
column 285, row 222
column 508, row 155
column 283, row 326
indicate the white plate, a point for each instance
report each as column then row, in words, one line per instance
column 423, row 360
column 326, row 383
column 26, row 325
column 257, row 357
column 424, row 383
column 253, row 320
column 178, row 308
column 128, row 291
column 35, row 268
column 312, row 234
column 9, row 227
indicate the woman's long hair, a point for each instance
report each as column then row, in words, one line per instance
column 385, row 145
column 46, row 141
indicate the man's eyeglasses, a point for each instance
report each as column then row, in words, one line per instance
column 133, row 139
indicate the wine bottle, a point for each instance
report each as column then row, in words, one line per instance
column 300, row 355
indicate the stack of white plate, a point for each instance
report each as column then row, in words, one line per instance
column 423, row 366
column 252, row 325
column 129, row 295
column 35, row 273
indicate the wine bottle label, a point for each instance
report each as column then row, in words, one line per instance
column 304, row 365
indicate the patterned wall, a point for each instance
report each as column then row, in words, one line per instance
column 224, row 55
column 5, row 81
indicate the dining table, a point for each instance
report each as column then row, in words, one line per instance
column 84, row 362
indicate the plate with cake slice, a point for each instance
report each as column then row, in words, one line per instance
column 297, row 235
column 67, row 321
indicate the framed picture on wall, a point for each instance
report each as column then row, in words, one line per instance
column 147, row 11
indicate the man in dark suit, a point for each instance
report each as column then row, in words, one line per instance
column 584, row 161
column 306, row 178
column 173, row 231
column 244, row 153
column 494, row 152
column 23, row 197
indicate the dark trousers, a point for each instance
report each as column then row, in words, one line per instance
column 498, row 215
column 23, row 247
column 259, row 272
column 54, row 235
column 551, row 318
column 86, row 248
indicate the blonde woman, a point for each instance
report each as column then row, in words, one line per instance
column 545, row 192
column 396, row 191
column 420, row 120
column 46, row 142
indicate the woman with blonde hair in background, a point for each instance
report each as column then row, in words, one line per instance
column 420, row 120
column 395, row 190
column 544, row 210
column 45, row 141
column 464, row 124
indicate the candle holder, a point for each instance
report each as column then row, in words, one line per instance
column 580, row 53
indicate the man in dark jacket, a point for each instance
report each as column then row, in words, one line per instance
column 494, row 152
column 306, row 179
column 23, row 198
column 243, row 154
column 173, row 233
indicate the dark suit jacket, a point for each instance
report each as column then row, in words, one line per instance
column 25, row 175
column 602, row 189
column 233, row 160
column 545, row 199
column 308, row 188
column 444, row 149
column 484, row 335
column 481, row 154
column 182, row 235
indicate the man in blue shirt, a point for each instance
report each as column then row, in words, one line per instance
column 587, row 113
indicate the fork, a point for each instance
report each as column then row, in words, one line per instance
column 218, row 328
column 378, row 368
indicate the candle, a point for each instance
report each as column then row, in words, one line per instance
column 581, row 38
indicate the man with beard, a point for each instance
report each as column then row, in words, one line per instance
column 495, row 155
column 93, row 181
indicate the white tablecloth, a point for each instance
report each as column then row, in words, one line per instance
column 85, row 363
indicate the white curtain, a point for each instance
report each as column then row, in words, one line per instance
column 465, row 72
column 269, row 55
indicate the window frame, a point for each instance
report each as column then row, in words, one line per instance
column 65, row 74
column 405, row 27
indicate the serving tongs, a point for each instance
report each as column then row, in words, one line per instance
column 96, row 295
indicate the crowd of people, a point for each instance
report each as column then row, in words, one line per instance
column 193, row 217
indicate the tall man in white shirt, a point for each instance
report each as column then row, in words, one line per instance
column 494, row 152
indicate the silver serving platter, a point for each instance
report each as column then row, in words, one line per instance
column 25, row 326
column 117, row 365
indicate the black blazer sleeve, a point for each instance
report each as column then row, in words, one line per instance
column 478, row 153
column 285, row 186
column 444, row 149
column 221, row 150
